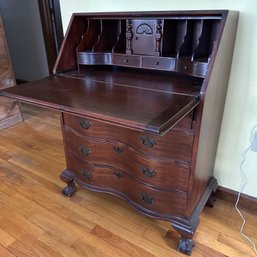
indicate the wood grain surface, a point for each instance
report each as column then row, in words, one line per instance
column 110, row 102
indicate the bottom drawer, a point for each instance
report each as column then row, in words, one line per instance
column 108, row 179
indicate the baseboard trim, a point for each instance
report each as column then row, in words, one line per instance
column 246, row 202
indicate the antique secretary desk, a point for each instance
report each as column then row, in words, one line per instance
column 141, row 97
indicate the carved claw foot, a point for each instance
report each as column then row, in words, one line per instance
column 186, row 232
column 71, row 188
column 186, row 246
column 211, row 200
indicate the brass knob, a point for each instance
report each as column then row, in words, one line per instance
column 86, row 174
column 84, row 150
column 147, row 198
column 148, row 172
column 84, row 124
column 147, row 141
column 118, row 149
column 118, row 174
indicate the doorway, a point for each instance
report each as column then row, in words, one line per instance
column 51, row 20
column 34, row 35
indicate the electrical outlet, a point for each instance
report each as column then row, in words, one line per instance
column 254, row 142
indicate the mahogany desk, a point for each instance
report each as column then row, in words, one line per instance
column 141, row 97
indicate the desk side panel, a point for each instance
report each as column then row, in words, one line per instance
column 211, row 109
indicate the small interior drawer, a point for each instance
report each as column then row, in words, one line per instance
column 159, row 63
column 198, row 69
column 126, row 60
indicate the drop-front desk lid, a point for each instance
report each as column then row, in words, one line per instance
column 140, row 108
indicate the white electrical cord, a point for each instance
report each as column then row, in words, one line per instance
column 242, row 186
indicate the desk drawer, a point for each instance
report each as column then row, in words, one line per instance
column 85, row 125
column 175, row 144
column 120, row 183
column 151, row 171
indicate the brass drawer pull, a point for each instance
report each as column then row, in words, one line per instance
column 147, row 198
column 85, row 124
column 148, row 172
column 84, row 150
column 86, row 174
column 147, row 141
column 118, row 149
column 118, row 174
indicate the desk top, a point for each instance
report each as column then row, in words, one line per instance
column 121, row 97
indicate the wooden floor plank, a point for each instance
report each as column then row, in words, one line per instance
column 37, row 220
column 4, row 252
column 6, row 239
column 29, row 246
column 78, row 237
column 16, row 225
column 120, row 243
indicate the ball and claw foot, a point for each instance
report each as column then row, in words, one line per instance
column 186, row 246
column 69, row 190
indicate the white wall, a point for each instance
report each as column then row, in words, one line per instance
column 240, row 113
column 25, row 38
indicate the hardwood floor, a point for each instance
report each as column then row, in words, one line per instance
column 37, row 220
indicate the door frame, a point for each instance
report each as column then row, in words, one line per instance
column 51, row 21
